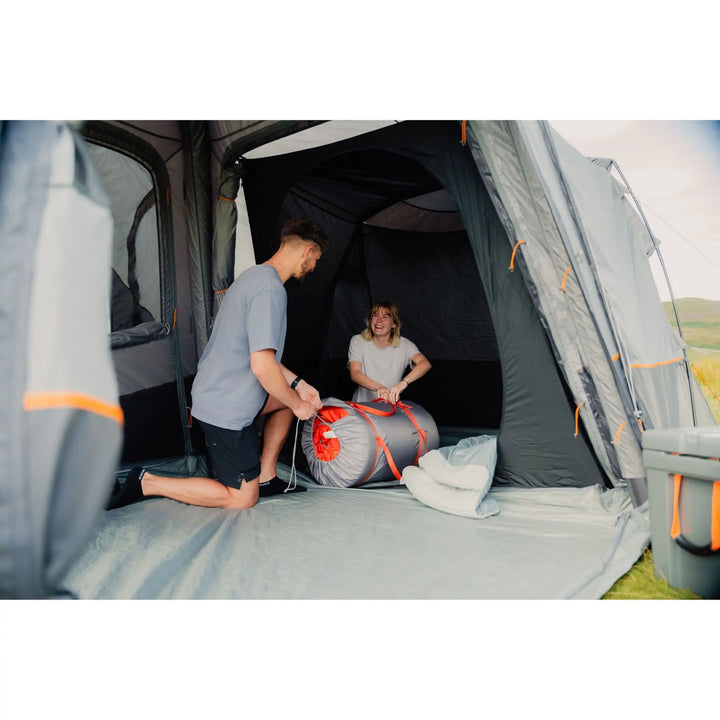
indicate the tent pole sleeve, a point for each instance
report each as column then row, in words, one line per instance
column 196, row 162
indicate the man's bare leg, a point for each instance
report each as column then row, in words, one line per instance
column 208, row 492
column 278, row 419
column 201, row 491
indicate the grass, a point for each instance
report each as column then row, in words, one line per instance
column 700, row 321
column 640, row 583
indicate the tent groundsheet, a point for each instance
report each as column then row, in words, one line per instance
column 380, row 543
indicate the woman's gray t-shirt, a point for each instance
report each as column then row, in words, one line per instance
column 385, row 365
column 252, row 317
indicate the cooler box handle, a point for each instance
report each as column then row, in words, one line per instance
column 714, row 545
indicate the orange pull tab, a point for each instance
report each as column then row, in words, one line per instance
column 616, row 439
column 715, row 526
column 675, row 526
column 512, row 257
column 564, row 280
column 714, row 545
column 577, row 419
column 463, row 133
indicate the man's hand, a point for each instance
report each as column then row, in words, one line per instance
column 304, row 410
column 309, row 394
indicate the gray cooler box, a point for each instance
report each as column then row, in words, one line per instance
column 687, row 561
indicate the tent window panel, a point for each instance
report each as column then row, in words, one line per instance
column 136, row 295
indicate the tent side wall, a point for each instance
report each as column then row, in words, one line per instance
column 155, row 361
column 653, row 362
column 60, row 422
column 537, row 444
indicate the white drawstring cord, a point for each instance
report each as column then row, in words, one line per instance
column 292, row 484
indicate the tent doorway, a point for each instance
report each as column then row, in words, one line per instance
column 493, row 365
column 397, row 234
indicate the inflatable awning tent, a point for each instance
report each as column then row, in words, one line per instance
column 520, row 268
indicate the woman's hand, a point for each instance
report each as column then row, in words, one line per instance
column 395, row 390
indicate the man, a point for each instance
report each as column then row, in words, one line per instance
column 239, row 378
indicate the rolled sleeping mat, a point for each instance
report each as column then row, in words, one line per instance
column 350, row 444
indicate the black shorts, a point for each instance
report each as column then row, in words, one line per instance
column 233, row 455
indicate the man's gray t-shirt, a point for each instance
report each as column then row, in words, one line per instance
column 252, row 317
column 385, row 365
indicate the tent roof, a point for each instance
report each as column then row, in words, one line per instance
column 432, row 212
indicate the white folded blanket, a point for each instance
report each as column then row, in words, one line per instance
column 456, row 479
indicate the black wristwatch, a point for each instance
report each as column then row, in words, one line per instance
column 295, row 382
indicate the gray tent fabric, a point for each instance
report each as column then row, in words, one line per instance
column 60, row 422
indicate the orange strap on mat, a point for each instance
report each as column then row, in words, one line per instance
column 675, row 533
column 372, row 410
column 379, row 442
column 422, row 435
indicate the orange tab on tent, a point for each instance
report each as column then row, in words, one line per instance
column 512, row 257
column 564, row 280
column 577, row 419
column 79, row 401
column 658, row 364
column 463, row 133
column 616, row 439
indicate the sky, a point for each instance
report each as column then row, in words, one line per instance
column 673, row 168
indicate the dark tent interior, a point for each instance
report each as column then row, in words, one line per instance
column 411, row 221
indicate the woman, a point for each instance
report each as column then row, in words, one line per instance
column 378, row 356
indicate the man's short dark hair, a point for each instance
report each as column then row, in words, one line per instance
column 306, row 229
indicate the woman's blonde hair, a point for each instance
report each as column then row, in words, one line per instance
column 392, row 309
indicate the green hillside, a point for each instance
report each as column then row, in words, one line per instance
column 700, row 321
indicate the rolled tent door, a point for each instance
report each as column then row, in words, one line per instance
column 60, row 419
